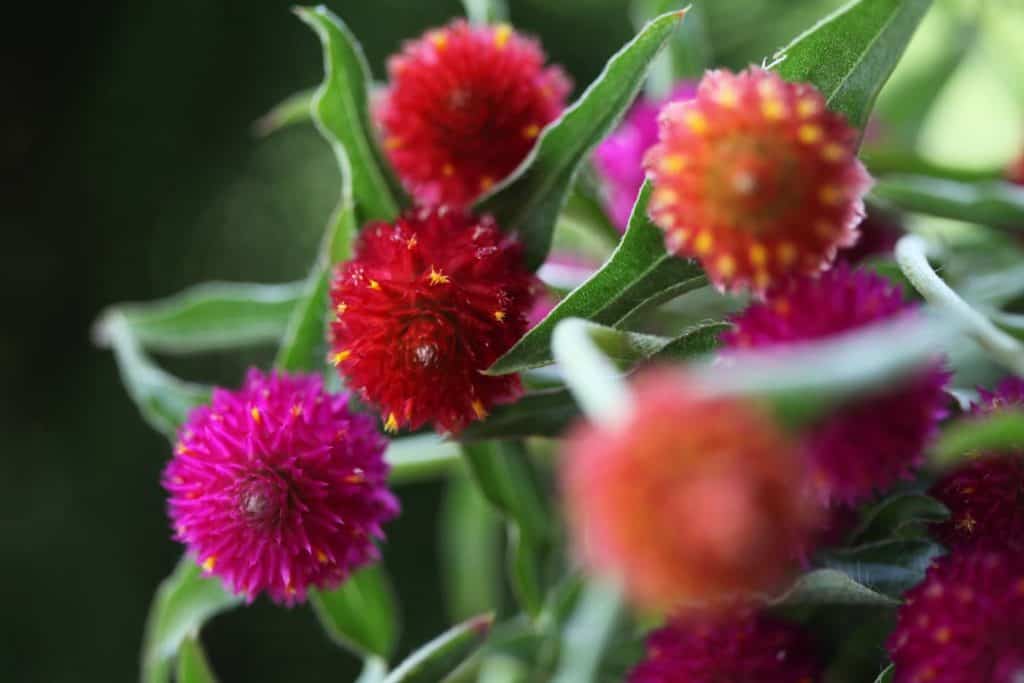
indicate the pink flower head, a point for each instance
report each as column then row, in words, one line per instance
column 872, row 443
column 620, row 157
column 464, row 106
column 756, row 178
column 963, row 623
column 742, row 646
column 278, row 487
column 1009, row 393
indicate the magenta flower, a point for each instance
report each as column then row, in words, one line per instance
column 619, row 158
column 1009, row 393
column 870, row 444
column 279, row 487
column 963, row 623
column 743, row 646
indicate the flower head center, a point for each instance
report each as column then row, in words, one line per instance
column 261, row 501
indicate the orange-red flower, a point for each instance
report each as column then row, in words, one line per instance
column 689, row 500
column 756, row 178
column 464, row 106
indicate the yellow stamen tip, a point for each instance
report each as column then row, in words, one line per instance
column 374, row 284
column 438, row 278
column 209, row 563
column 340, row 357
column 411, row 242
column 833, row 152
column 672, row 163
column 773, row 109
column 810, row 133
column 787, row 253
column 830, row 194
column 341, row 308
column 758, row 254
column 321, row 557
column 531, row 131
column 479, row 409
column 392, row 142
column 439, row 39
column 255, row 412
column 296, row 410
column 807, row 107
column 391, row 424
column 486, row 183
column 727, row 97
column 448, row 170
column 697, row 123
column 499, row 316
column 703, row 242
column 501, row 35
column 726, row 265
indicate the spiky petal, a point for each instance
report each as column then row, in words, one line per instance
column 464, row 106
column 620, row 157
column 688, row 499
column 428, row 303
column 278, row 487
column 740, row 646
column 872, row 443
column 962, row 624
column 756, row 178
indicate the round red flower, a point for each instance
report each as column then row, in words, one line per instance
column 464, row 107
column 743, row 646
column 963, row 623
column 756, row 178
column 689, row 500
column 425, row 306
column 277, row 487
column 874, row 442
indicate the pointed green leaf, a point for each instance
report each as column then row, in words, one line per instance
column 341, row 111
column 897, row 515
column 528, row 201
column 831, row 587
column 419, row 457
column 470, row 550
column 213, row 316
column 294, row 109
column 359, row 614
column 887, row 567
column 432, row 662
column 192, row 664
column 502, row 471
column 987, row 202
column 184, row 601
column 588, row 634
column 163, row 399
column 1001, row 430
column 850, row 54
column 541, row 413
column 639, row 273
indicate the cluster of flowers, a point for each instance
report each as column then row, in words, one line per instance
column 279, row 487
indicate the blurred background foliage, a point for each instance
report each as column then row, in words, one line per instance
column 131, row 170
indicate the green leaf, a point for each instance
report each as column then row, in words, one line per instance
column 831, row 587
column 898, row 515
column 525, row 570
column 639, row 274
column 213, row 316
column 1001, row 430
column 502, row 471
column 359, row 614
column 540, row 413
column 589, row 632
column 419, row 457
column 192, row 664
column 486, row 11
column 887, row 676
column 183, row 602
column 884, row 161
column 688, row 53
column 470, row 550
column 294, row 109
column 375, row 670
column 887, row 567
column 529, row 200
column 850, row 54
column 163, row 399
column 992, row 202
column 441, row 656
column 341, row 112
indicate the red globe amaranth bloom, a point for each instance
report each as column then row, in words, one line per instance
column 619, row 159
column 464, row 107
column 872, row 443
column 425, row 306
column 744, row 646
column 963, row 623
column 985, row 495
column 689, row 499
column 279, row 487
column 756, row 178
column 985, row 498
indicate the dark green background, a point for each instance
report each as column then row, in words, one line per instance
column 129, row 172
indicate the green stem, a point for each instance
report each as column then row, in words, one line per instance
column 587, row 635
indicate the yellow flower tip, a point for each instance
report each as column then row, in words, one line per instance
column 824, row 229
column 758, row 254
column 727, row 97
column 437, row 277
column 773, row 109
column 676, row 239
column 663, row 197
column 439, row 39
column 833, row 152
column 703, row 243
column 787, row 253
column 486, row 183
column 830, row 195
column 341, row 308
column 209, row 563
column 696, row 121
column 501, row 35
column 810, row 133
column 391, row 424
column 340, row 357
column 411, row 242
column 807, row 107
column 321, row 557
column 296, row 410
column 181, row 449
column 726, row 265
column 499, row 316
column 531, row 131
column 762, row 280
column 255, row 412
column 356, row 477
column 672, row 163
column 479, row 409
column 374, row 284
column 448, row 170
column 392, row 142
